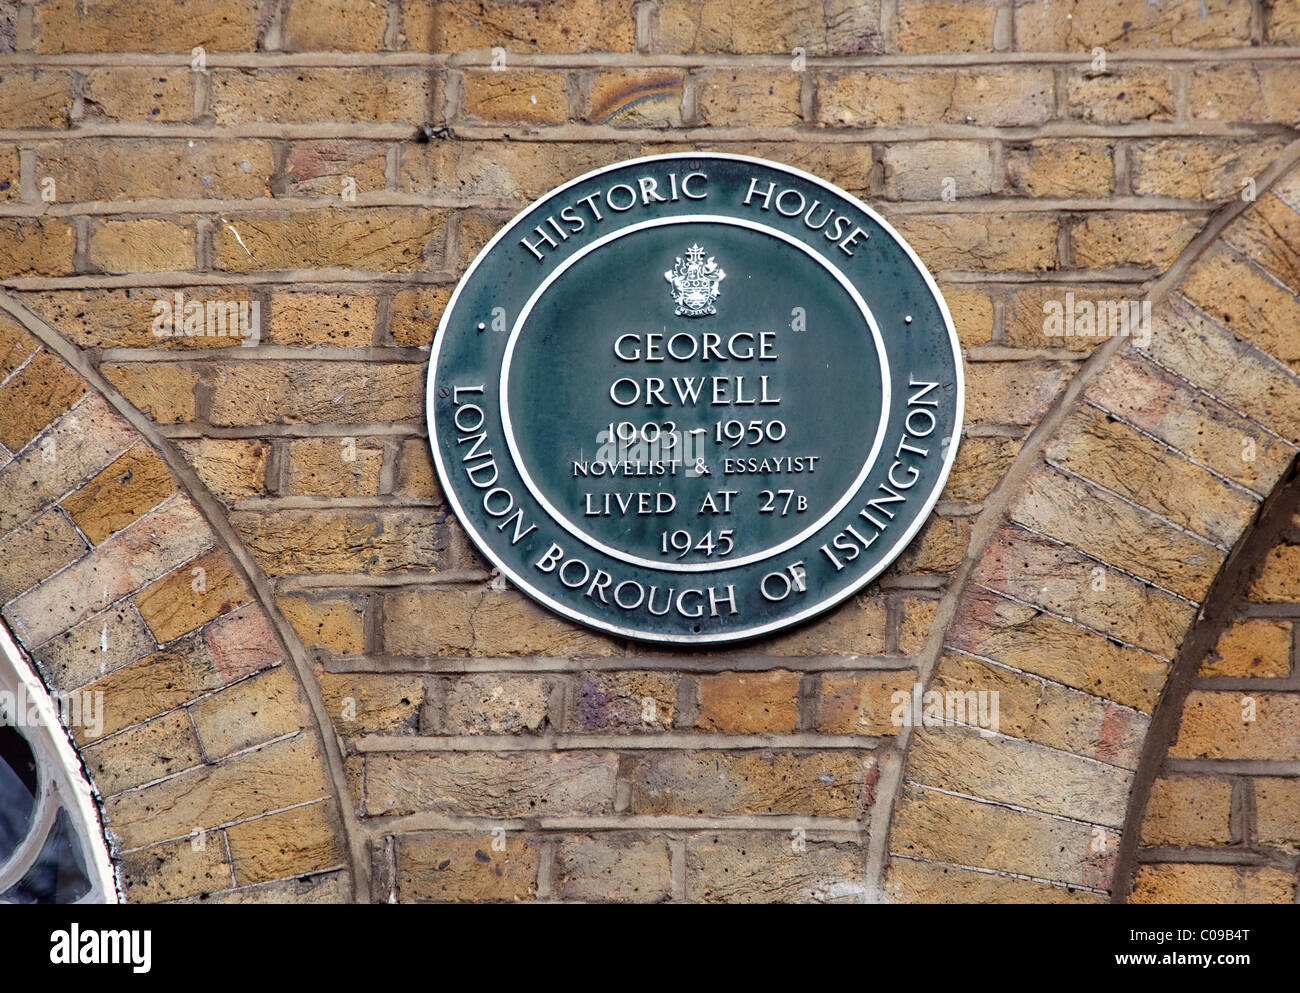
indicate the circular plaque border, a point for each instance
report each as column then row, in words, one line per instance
column 741, row 633
column 562, row 519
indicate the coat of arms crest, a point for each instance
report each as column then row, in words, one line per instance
column 695, row 283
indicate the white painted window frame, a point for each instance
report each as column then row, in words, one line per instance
column 61, row 783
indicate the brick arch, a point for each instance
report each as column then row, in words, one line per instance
column 213, row 777
column 1090, row 565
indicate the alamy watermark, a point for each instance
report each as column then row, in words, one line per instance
column 181, row 318
column 1098, row 319
column 78, row 708
column 934, row 708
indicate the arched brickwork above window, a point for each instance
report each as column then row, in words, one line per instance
column 1090, row 566
column 210, row 770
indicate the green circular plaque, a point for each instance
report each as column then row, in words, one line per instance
column 694, row 398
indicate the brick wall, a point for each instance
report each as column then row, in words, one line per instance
column 212, row 150
column 1222, row 822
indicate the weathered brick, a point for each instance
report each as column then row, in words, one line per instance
column 454, row 868
column 1061, row 168
column 492, row 704
column 577, row 26
column 1277, row 812
column 143, row 169
column 142, row 245
column 140, row 93
column 242, row 643
column 863, row 702
column 1036, row 571
column 191, row 595
column 1248, row 302
column 273, row 777
column 1217, row 884
column 1279, row 582
column 296, row 391
column 635, row 98
column 940, row 546
column 34, row 552
column 1215, row 726
column 1148, row 239
column 251, row 712
column 34, row 396
column 835, row 783
column 322, row 319
column 944, row 26
column 994, row 98
column 10, row 169
column 1205, row 354
column 1158, row 404
column 516, row 171
column 1020, row 773
column 982, row 242
column 1043, row 712
column 95, row 647
column 980, row 465
column 1261, row 93
column 35, row 247
column 1269, row 235
column 497, row 784
column 413, row 315
column 934, row 170
column 344, row 541
column 997, row 837
column 176, row 869
column 1077, row 25
column 125, row 318
column 415, row 478
column 914, row 881
column 779, row 27
column 972, row 314
column 290, row 843
column 614, row 868
column 1200, row 168
column 476, row 622
column 171, row 25
column 131, row 486
column 1188, row 810
column 1016, row 393
column 140, row 755
column 1251, row 647
column 16, row 346
column 316, row 889
column 624, row 701
column 372, row 703
column 749, row 98
column 1108, row 451
column 332, row 622
column 78, row 444
column 172, row 533
column 749, row 702
column 230, row 468
column 337, row 467
column 1283, row 25
column 763, row 867
column 516, row 96
column 335, row 26
column 856, row 627
column 386, row 239
column 1102, row 525
column 323, row 168
column 1120, row 98
column 35, row 98
column 308, row 95
column 1080, row 318
column 914, row 627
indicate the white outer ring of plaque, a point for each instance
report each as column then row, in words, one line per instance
column 755, row 630
column 720, row 565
